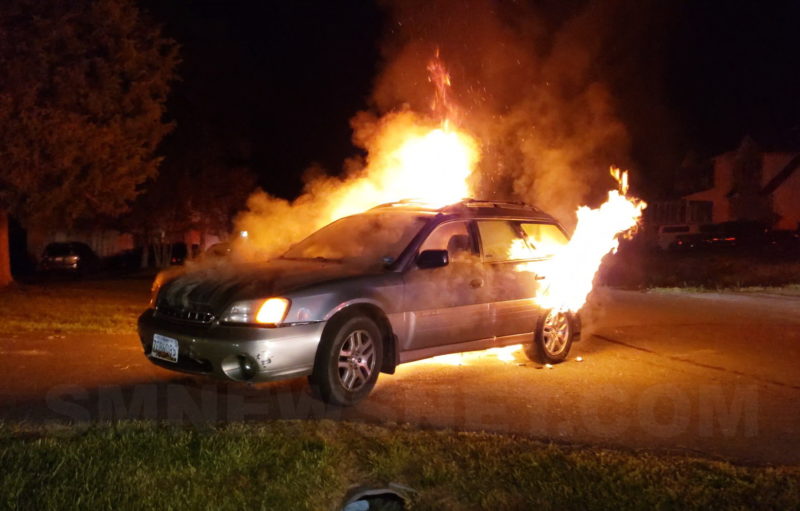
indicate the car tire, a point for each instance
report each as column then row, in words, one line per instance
column 552, row 340
column 348, row 361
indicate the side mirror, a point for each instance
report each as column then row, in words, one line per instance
column 432, row 259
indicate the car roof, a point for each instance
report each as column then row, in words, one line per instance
column 471, row 208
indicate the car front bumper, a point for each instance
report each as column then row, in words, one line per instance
column 219, row 351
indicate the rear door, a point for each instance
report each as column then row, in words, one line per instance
column 514, row 252
column 451, row 304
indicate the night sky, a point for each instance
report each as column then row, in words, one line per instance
column 276, row 83
column 734, row 70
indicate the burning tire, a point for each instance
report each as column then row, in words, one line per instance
column 348, row 361
column 555, row 332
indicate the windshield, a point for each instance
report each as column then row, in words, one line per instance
column 368, row 238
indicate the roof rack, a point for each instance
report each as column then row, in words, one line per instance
column 418, row 203
column 485, row 203
column 469, row 203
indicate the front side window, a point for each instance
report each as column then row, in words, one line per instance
column 500, row 240
column 452, row 236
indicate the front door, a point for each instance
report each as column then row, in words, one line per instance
column 451, row 304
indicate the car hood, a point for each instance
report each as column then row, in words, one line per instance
column 212, row 288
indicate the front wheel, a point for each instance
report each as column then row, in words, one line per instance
column 553, row 338
column 348, row 362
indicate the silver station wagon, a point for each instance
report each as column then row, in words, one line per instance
column 398, row 283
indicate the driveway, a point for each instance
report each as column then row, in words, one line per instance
column 711, row 374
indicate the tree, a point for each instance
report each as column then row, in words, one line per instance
column 82, row 99
column 201, row 189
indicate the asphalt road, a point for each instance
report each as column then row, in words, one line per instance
column 716, row 375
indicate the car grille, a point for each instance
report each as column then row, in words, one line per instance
column 192, row 316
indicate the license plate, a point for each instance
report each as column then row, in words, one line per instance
column 165, row 348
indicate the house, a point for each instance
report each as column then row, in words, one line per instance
column 744, row 184
column 104, row 242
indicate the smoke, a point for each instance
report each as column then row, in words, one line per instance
column 525, row 84
column 529, row 88
column 273, row 224
column 403, row 160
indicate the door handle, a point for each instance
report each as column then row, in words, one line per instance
column 539, row 277
column 476, row 283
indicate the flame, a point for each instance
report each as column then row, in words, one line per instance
column 570, row 272
column 430, row 165
column 504, row 354
column 441, row 105
column 426, row 158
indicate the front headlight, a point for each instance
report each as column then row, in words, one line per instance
column 271, row 311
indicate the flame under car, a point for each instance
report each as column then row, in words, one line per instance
column 398, row 283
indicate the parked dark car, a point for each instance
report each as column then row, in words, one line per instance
column 735, row 234
column 783, row 240
column 73, row 257
column 218, row 251
column 398, row 283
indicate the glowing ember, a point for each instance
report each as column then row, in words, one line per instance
column 441, row 105
column 571, row 271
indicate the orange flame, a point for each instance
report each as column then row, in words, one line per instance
column 432, row 166
column 441, row 105
column 571, row 271
column 504, row 354
column 409, row 156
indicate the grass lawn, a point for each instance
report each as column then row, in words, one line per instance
column 310, row 465
column 636, row 268
column 109, row 306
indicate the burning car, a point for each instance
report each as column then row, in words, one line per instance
column 398, row 283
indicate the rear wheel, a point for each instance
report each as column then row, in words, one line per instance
column 553, row 338
column 348, row 361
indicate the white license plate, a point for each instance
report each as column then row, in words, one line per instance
column 165, row 348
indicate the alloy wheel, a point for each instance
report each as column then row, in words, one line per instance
column 356, row 360
column 555, row 333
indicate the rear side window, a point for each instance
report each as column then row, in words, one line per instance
column 543, row 239
column 498, row 238
column 505, row 240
